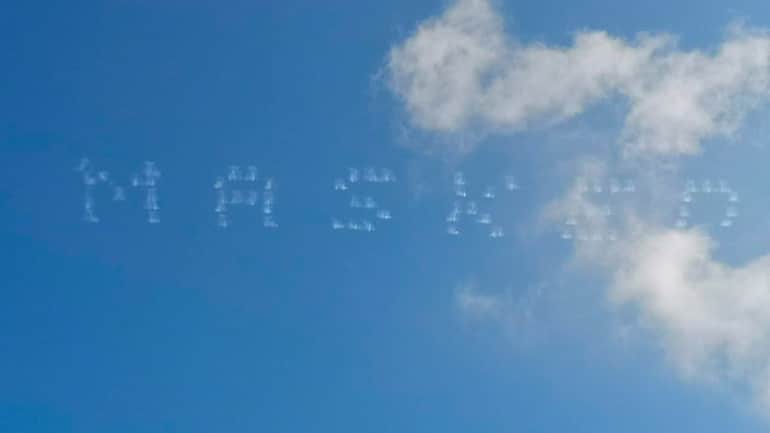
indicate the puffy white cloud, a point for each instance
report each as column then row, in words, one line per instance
column 461, row 71
column 439, row 72
column 712, row 318
column 681, row 98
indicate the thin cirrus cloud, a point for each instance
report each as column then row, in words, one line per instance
column 461, row 72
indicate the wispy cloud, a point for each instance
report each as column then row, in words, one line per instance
column 477, row 305
column 521, row 313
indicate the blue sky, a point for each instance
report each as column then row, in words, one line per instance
column 125, row 326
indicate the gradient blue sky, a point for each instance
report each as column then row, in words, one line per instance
column 181, row 327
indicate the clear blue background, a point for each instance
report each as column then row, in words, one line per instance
column 182, row 327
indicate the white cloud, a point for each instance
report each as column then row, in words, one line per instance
column 461, row 71
column 439, row 72
column 681, row 98
column 712, row 318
